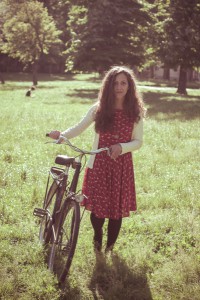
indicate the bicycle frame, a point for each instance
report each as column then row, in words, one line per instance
column 74, row 182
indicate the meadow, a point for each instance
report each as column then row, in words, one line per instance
column 157, row 255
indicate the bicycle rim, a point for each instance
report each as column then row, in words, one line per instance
column 63, row 251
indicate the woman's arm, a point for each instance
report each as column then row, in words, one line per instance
column 137, row 138
column 82, row 125
column 76, row 129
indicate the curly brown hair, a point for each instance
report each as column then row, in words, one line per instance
column 133, row 103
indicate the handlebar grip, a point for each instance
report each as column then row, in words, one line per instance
column 47, row 134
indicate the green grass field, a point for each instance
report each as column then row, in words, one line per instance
column 157, row 255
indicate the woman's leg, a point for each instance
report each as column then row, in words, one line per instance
column 113, row 232
column 97, row 224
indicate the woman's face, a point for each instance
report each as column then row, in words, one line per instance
column 120, row 86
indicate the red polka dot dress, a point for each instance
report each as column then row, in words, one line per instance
column 110, row 185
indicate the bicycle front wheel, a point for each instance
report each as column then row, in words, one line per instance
column 63, row 248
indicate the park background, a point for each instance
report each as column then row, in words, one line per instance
column 64, row 48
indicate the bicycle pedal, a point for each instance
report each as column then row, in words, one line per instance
column 39, row 212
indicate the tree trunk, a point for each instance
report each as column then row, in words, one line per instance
column 166, row 73
column 182, row 82
column 190, row 75
column 35, row 73
column 2, row 78
column 152, row 72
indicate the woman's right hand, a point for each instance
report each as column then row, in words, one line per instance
column 54, row 134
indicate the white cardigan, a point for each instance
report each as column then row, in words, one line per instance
column 88, row 119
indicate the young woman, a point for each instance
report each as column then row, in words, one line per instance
column 109, row 177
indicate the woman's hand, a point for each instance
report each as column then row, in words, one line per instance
column 54, row 134
column 115, row 151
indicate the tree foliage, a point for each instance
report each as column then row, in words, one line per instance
column 59, row 10
column 29, row 32
column 183, row 33
column 103, row 34
column 176, row 39
column 92, row 35
column 181, row 28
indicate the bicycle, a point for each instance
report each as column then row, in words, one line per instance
column 60, row 215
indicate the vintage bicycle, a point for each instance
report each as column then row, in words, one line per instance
column 60, row 215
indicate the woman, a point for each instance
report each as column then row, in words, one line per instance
column 109, row 177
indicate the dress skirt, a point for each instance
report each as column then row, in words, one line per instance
column 110, row 186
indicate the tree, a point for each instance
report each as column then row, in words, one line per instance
column 59, row 10
column 178, row 36
column 183, row 30
column 29, row 33
column 103, row 34
column 2, row 10
column 150, row 33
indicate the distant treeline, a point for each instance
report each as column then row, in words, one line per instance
column 86, row 35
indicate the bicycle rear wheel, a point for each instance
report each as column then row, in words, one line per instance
column 63, row 248
column 51, row 204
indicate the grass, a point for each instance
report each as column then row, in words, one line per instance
column 157, row 254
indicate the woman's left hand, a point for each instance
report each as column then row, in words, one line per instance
column 115, row 151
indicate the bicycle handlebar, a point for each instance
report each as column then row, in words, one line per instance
column 67, row 142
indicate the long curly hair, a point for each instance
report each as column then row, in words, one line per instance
column 133, row 103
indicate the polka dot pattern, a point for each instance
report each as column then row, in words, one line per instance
column 110, row 185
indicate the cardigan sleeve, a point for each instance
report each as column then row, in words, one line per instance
column 82, row 125
column 137, row 138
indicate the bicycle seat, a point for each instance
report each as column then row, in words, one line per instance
column 64, row 160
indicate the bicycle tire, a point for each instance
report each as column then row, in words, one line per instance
column 51, row 204
column 63, row 250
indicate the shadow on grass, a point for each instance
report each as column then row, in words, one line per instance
column 26, row 87
column 115, row 280
column 166, row 83
column 68, row 292
column 23, row 77
column 43, row 77
column 161, row 105
column 85, row 93
column 96, row 79
column 168, row 106
column 87, row 96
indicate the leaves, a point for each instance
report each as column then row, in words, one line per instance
column 29, row 32
column 103, row 34
column 178, row 31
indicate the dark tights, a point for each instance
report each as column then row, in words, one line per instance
column 113, row 230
